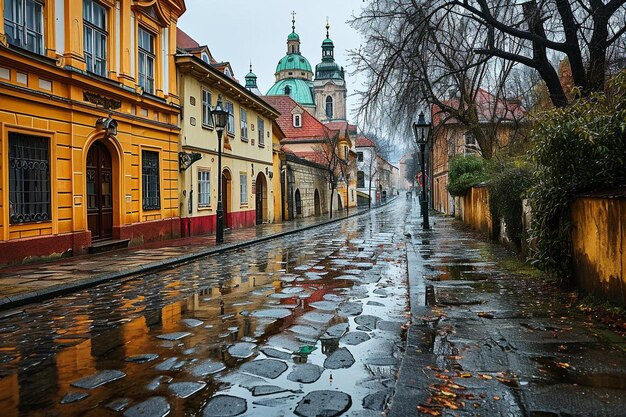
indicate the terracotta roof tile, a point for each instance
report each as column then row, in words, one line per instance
column 185, row 41
column 489, row 108
column 311, row 128
column 363, row 142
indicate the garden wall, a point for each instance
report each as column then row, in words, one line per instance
column 598, row 240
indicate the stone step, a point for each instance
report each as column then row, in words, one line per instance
column 108, row 245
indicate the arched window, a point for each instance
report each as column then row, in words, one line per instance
column 298, row 203
column 329, row 107
column 297, row 120
column 205, row 57
column 287, row 90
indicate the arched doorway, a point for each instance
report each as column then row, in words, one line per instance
column 339, row 205
column 99, row 169
column 298, row 203
column 226, row 177
column 317, row 203
column 261, row 198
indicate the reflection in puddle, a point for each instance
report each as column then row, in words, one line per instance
column 183, row 334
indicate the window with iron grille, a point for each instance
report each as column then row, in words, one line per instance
column 29, row 179
column 23, row 24
column 207, row 119
column 243, row 188
column 261, row 128
column 204, row 188
column 146, row 60
column 231, row 117
column 244, row 123
column 359, row 156
column 151, row 191
column 95, row 37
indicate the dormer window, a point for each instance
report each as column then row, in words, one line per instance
column 297, row 120
column 205, row 57
column 227, row 72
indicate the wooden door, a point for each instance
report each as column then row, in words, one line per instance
column 225, row 198
column 99, row 192
column 259, row 199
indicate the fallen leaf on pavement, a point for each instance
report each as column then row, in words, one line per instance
column 427, row 410
column 496, row 398
column 563, row 365
column 485, row 315
column 483, row 376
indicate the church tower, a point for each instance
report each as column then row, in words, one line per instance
column 329, row 87
column 294, row 74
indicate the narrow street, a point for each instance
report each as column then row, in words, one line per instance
column 352, row 318
column 217, row 335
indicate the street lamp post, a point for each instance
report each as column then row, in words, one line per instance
column 420, row 130
column 220, row 120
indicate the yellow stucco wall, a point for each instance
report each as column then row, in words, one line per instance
column 475, row 211
column 43, row 97
column 240, row 155
column 598, row 240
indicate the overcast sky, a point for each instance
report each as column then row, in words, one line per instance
column 240, row 31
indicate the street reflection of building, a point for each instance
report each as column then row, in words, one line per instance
column 247, row 165
column 89, row 119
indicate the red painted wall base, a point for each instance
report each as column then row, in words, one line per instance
column 202, row 225
column 145, row 232
column 21, row 250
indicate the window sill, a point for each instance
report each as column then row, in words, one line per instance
column 208, row 127
column 205, row 208
column 151, row 208
column 243, row 205
column 261, row 145
column 244, row 139
column 230, row 135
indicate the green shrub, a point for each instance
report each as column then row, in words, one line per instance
column 576, row 149
column 509, row 180
column 464, row 173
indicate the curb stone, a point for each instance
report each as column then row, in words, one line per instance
column 28, row 297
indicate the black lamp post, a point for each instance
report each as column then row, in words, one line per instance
column 220, row 120
column 420, row 130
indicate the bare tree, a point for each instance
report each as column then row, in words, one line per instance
column 416, row 49
column 331, row 160
column 418, row 56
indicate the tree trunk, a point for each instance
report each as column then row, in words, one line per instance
column 332, row 191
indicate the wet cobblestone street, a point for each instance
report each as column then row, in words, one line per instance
column 303, row 324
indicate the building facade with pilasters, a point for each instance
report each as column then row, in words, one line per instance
column 89, row 126
column 247, row 176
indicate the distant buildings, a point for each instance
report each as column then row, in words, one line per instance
column 500, row 119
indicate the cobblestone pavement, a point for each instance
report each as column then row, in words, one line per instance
column 489, row 340
column 24, row 283
column 307, row 324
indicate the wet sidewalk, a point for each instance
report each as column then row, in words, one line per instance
column 491, row 337
column 24, row 284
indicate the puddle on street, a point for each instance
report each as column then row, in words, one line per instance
column 257, row 329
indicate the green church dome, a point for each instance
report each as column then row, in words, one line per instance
column 293, row 36
column 328, row 71
column 299, row 90
column 327, row 41
column 293, row 62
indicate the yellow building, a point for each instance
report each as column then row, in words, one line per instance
column 89, row 129
column 247, row 167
